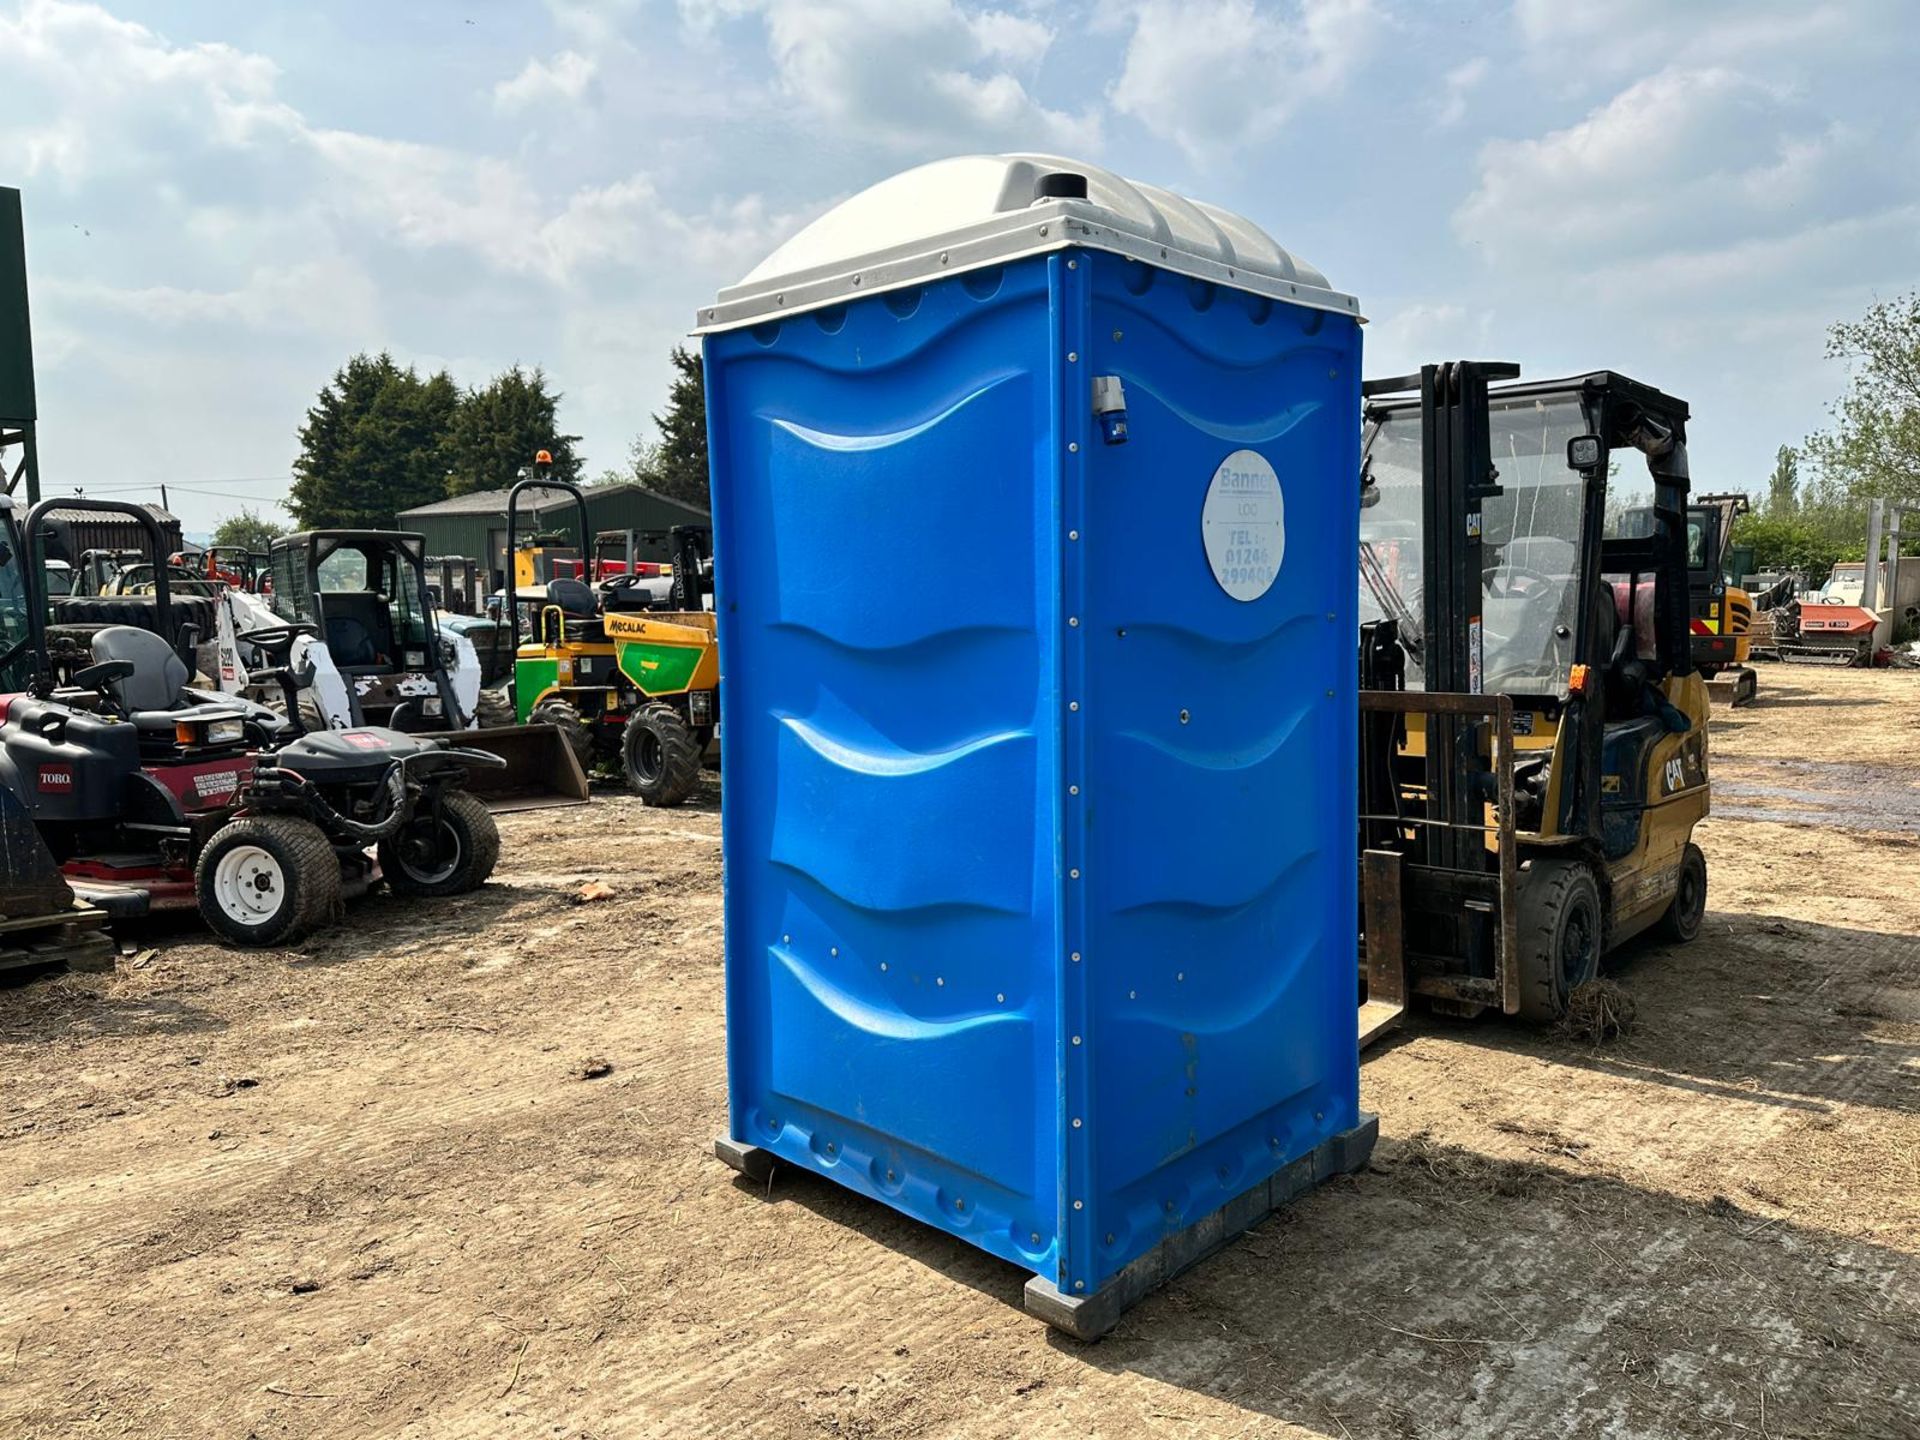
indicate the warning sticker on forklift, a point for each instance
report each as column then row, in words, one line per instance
column 1244, row 525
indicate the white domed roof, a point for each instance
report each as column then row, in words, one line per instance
column 974, row 210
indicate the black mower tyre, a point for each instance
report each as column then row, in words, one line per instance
column 1682, row 921
column 455, row 858
column 564, row 717
column 268, row 880
column 1561, row 932
column 660, row 755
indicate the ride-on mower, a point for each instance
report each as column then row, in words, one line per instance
column 626, row 680
column 1533, row 750
column 148, row 794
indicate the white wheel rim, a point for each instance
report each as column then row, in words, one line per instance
column 249, row 886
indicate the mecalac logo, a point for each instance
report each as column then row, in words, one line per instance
column 57, row 778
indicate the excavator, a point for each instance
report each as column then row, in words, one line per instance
column 1533, row 752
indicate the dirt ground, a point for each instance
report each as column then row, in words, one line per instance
column 447, row 1173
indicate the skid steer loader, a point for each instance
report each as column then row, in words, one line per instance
column 353, row 609
column 1533, row 728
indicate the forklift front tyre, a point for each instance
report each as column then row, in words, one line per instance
column 1561, row 929
column 1682, row 921
column 267, row 880
column 661, row 755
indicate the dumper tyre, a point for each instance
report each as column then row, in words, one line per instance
column 1562, row 928
column 1683, row 917
column 660, row 755
column 268, row 880
column 451, row 853
column 492, row 708
column 566, row 718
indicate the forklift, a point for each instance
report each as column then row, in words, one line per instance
column 625, row 679
column 1721, row 611
column 1533, row 730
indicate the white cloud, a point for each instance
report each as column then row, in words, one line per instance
column 908, row 73
column 1617, row 38
column 1460, row 83
column 1401, row 337
column 326, row 295
column 564, row 78
column 1210, row 74
column 1684, row 159
column 105, row 81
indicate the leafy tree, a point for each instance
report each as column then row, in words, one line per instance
column 498, row 429
column 1873, row 448
column 1783, row 489
column 1791, row 543
column 679, row 462
column 374, row 444
column 643, row 457
column 246, row 529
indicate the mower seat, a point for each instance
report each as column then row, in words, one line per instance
column 155, row 696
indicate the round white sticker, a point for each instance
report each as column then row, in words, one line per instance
column 1244, row 525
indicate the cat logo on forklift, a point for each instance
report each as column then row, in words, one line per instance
column 1676, row 774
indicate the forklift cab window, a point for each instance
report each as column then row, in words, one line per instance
column 1637, row 524
column 1530, row 532
column 1697, row 528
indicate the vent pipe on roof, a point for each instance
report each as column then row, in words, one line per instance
column 1060, row 185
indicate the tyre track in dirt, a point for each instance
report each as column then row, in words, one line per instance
column 429, row 1227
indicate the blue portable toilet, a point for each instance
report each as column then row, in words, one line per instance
column 1036, row 504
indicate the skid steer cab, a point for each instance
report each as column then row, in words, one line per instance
column 628, row 671
column 1533, row 753
column 363, row 595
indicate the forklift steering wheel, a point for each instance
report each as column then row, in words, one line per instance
column 1537, row 584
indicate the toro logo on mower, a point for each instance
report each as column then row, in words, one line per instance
column 57, row 779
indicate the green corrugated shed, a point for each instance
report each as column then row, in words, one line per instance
column 476, row 525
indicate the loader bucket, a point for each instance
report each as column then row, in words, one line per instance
column 541, row 770
column 32, row 885
column 41, row 922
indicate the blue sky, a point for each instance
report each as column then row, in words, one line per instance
column 225, row 201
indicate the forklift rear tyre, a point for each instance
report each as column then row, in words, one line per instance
column 661, row 755
column 1681, row 923
column 268, row 880
column 1561, row 925
column 445, row 854
column 564, row 717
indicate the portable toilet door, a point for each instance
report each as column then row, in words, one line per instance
column 1036, row 501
